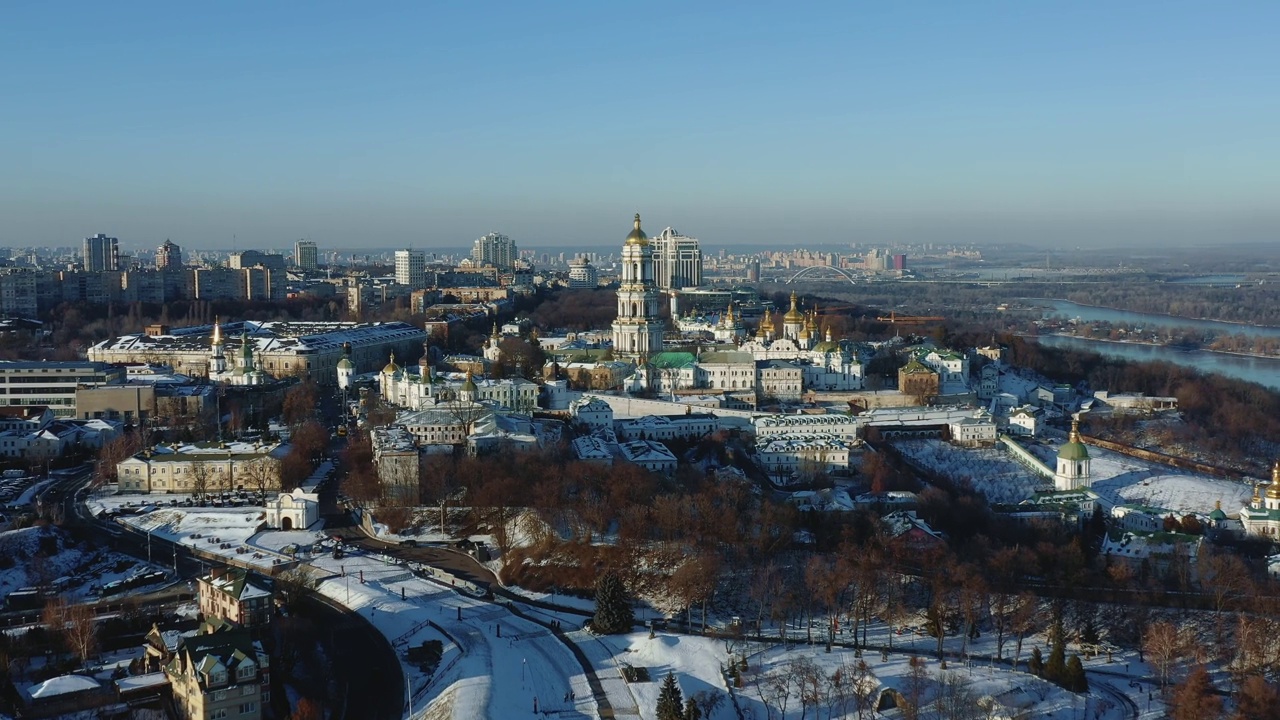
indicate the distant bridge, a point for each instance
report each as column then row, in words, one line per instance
column 853, row 280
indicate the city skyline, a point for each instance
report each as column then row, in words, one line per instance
column 1081, row 125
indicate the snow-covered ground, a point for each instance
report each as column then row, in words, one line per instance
column 481, row 674
column 1118, row 479
column 991, row 471
column 80, row 570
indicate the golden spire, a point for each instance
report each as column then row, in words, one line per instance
column 494, row 334
column 217, row 331
column 1075, row 430
column 1275, row 472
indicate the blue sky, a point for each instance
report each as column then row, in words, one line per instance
column 384, row 124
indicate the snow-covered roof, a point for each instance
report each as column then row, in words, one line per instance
column 274, row 336
column 62, row 685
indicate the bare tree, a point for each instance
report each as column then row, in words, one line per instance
column 82, row 631
column 915, row 685
column 1164, row 646
column 1022, row 621
column 201, row 475
column 262, row 475
column 111, row 454
column 293, row 584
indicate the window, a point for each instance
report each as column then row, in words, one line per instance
column 247, row 707
column 217, row 714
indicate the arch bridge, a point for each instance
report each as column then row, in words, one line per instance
column 822, row 269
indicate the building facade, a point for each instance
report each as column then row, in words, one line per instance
column 305, row 255
column 229, row 594
column 280, row 349
column 53, row 383
column 411, row 268
column 495, row 249
column 169, row 256
column 199, row 468
column 582, row 274
column 677, row 260
column 101, row 253
column 219, row 675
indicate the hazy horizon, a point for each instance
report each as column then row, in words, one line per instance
column 1080, row 125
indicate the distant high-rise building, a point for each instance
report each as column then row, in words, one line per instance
column 496, row 250
column 305, row 255
column 677, row 260
column 582, row 274
column 900, row 261
column 254, row 258
column 411, row 268
column 101, row 253
column 169, row 256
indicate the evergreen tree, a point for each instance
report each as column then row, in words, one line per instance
column 1036, row 664
column 613, row 609
column 691, row 710
column 1055, row 669
column 670, row 702
column 1075, row 680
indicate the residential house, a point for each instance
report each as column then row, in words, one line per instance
column 222, row 675
column 229, row 594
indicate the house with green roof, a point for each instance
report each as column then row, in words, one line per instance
column 220, row 674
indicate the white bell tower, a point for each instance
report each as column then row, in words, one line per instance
column 637, row 330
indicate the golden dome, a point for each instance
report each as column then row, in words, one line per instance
column 637, row 236
column 811, row 323
column 1273, row 490
column 392, row 368
column 793, row 315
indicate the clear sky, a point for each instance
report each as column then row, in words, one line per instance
column 431, row 123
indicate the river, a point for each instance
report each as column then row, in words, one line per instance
column 1265, row 371
column 1072, row 310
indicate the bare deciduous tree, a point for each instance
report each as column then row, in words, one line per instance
column 1164, row 647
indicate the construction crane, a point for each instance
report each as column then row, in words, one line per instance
column 896, row 319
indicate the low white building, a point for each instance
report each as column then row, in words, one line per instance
column 295, row 510
column 1140, row 518
column 1024, row 421
column 593, row 449
column 690, row 426
column 591, row 412
column 842, row 426
column 650, row 455
column 794, row 457
column 978, row 430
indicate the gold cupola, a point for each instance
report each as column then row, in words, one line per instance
column 637, row 236
column 1273, row 490
column 793, row 315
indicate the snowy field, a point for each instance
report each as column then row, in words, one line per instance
column 991, row 471
column 1118, row 479
column 1000, row 692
